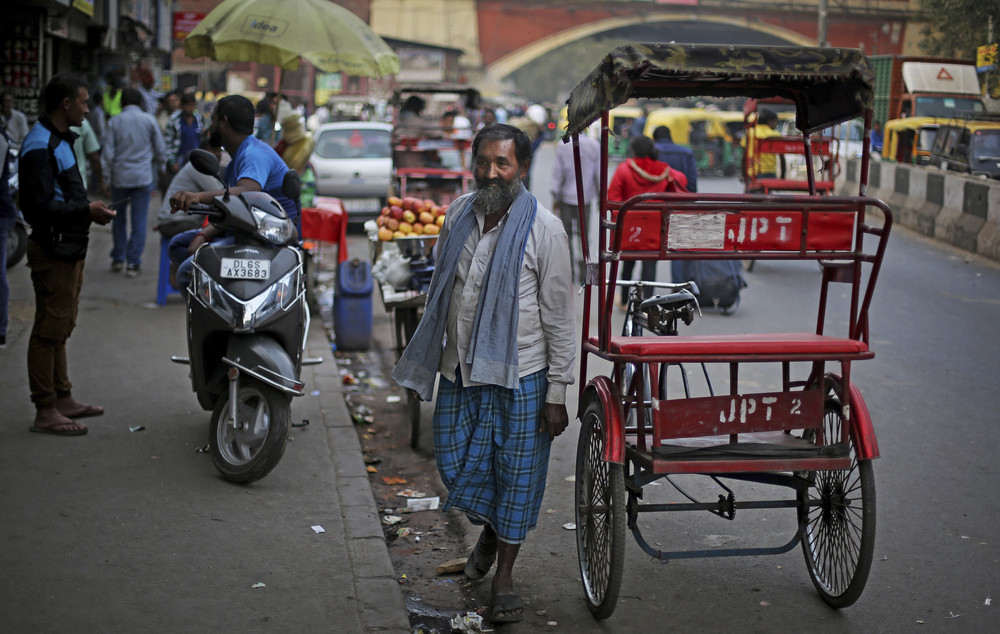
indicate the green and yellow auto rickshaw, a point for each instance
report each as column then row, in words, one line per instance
column 704, row 131
column 909, row 140
column 620, row 121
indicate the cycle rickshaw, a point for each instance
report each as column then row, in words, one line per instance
column 807, row 431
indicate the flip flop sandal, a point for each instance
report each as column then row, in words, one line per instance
column 61, row 429
column 506, row 603
column 88, row 410
column 473, row 570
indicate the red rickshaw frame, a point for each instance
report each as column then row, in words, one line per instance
column 693, row 435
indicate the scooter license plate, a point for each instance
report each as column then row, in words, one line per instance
column 245, row 269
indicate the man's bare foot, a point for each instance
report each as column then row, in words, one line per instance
column 72, row 408
column 50, row 421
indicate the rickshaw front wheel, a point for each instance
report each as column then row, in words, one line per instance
column 600, row 515
column 839, row 539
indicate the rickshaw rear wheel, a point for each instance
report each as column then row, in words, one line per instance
column 600, row 505
column 839, row 538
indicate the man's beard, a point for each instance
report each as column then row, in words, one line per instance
column 491, row 200
column 215, row 137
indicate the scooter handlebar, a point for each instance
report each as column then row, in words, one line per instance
column 202, row 209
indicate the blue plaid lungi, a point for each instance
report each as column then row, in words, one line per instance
column 490, row 453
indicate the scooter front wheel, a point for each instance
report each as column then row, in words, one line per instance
column 247, row 445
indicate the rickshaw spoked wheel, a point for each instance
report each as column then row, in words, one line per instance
column 600, row 504
column 839, row 539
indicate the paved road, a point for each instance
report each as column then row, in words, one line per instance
column 122, row 531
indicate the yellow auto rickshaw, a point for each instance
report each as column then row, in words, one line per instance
column 704, row 131
column 909, row 140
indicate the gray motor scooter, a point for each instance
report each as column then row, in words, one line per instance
column 247, row 322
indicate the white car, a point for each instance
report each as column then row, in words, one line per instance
column 352, row 161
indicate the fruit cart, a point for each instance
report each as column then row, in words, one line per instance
column 430, row 170
column 405, row 307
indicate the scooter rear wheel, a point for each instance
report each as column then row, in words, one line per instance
column 246, row 449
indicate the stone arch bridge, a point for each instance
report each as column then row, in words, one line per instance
column 504, row 39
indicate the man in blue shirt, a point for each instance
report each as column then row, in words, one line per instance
column 255, row 167
column 133, row 153
column 876, row 141
column 679, row 157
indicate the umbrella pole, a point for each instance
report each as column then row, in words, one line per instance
column 274, row 119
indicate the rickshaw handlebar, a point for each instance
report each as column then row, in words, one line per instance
column 683, row 286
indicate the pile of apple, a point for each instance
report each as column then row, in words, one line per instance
column 409, row 216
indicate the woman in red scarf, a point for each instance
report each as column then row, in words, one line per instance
column 643, row 174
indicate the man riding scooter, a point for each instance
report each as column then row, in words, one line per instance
column 247, row 318
column 255, row 166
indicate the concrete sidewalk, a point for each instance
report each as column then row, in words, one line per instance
column 131, row 531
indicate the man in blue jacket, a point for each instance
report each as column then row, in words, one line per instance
column 55, row 203
column 679, row 157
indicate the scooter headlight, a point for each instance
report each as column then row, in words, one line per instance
column 271, row 228
column 278, row 297
column 243, row 316
column 211, row 295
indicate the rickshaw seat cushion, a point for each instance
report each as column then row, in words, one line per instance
column 769, row 344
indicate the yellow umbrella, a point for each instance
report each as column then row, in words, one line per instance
column 279, row 32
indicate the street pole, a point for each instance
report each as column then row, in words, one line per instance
column 821, row 29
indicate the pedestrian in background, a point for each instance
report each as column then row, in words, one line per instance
column 111, row 100
column 679, row 157
column 642, row 173
column 7, row 215
column 267, row 117
column 170, row 104
column 487, row 117
column 142, row 80
column 96, row 116
column 532, row 127
column 55, row 204
column 766, row 164
column 87, row 149
column 296, row 144
column 498, row 327
column 564, row 193
column 12, row 119
column 133, row 153
column 183, row 132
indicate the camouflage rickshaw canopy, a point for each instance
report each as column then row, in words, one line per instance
column 828, row 85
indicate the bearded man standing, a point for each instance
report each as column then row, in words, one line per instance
column 499, row 326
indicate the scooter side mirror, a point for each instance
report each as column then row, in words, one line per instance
column 205, row 162
column 291, row 185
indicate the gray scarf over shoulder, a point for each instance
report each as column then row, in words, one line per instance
column 493, row 350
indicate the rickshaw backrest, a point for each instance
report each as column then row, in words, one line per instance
column 793, row 145
column 654, row 230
